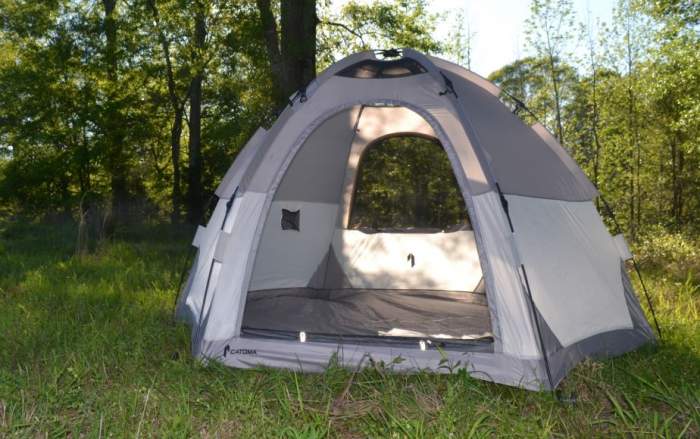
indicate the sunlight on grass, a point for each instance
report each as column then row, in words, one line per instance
column 88, row 347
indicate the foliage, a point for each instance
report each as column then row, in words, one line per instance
column 382, row 24
column 672, row 253
column 406, row 182
column 78, row 109
column 89, row 348
column 629, row 114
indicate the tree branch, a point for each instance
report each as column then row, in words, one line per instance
column 347, row 28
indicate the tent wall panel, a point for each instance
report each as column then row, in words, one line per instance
column 579, row 186
column 605, row 344
column 316, row 172
column 311, row 186
column 440, row 261
column 522, row 161
column 511, row 313
column 289, row 258
column 226, row 304
column 573, row 267
column 206, row 239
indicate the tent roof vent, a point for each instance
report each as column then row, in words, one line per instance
column 377, row 69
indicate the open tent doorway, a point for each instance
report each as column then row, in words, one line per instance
column 386, row 254
column 405, row 183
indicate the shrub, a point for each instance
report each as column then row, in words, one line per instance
column 675, row 253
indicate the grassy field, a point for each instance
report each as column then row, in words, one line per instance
column 88, row 348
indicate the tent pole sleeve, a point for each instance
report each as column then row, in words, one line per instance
column 537, row 326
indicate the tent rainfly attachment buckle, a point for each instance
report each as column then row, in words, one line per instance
column 449, row 87
column 300, row 95
column 389, row 53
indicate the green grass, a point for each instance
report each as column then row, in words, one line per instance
column 87, row 347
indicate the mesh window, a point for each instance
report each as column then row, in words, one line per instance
column 376, row 69
column 406, row 184
column 290, row 219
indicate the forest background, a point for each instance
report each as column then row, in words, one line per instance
column 134, row 110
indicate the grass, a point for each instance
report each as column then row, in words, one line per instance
column 88, row 348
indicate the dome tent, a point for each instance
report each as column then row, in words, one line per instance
column 534, row 286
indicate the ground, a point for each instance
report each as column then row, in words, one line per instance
column 88, row 348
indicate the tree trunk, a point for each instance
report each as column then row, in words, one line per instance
column 634, row 141
column 114, row 133
column 298, row 42
column 677, row 160
column 557, row 99
column 175, row 135
column 178, row 113
column 596, row 139
column 194, row 174
column 293, row 55
column 595, row 117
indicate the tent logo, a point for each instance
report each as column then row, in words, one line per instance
column 229, row 351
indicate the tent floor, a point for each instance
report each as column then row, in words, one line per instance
column 379, row 314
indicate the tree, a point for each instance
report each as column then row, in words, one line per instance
column 548, row 34
column 292, row 51
column 112, row 123
column 177, row 98
column 460, row 41
column 381, row 24
column 674, row 89
column 591, row 59
column 195, row 193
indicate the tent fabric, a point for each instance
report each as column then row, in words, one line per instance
column 575, row 281
column 371, row 312
column 622, row 247
column 438, row 261
column 538, row 267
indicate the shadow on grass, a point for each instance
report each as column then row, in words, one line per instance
column 59, row 303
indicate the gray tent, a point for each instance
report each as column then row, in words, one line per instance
column 535, row 286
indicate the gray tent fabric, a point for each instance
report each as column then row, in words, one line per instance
column 530, row 290
column 376, row 313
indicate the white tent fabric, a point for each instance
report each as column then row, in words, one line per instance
column 533, row 289
column 446, row 262
column 553, row 236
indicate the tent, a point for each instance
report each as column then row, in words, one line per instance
column 534, row 286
